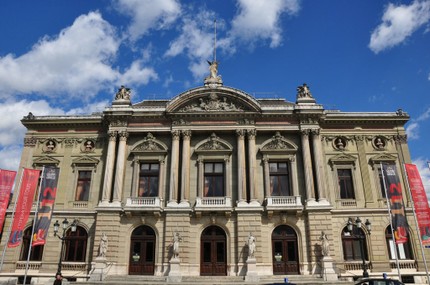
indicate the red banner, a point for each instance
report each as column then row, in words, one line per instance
column 46, row 204
column 394, row 192
column 29, row 182
column 7, row 178
column 421, row 204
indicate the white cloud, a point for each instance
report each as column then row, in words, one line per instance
column 12, row 131
column 76, row 62
column 148, row 14
column 260, row 20
column 398, row 23
column 196, row 41
column 422, row 166
column 412, row 130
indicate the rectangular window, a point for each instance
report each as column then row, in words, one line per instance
column 214, row 179
column 381, row 183
column 83, row 185
column 279, row 179
column 148, row 179
column 346, row 186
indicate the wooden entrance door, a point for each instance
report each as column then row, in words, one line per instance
column 213, row 252
column 142, row 251
column 284, row 251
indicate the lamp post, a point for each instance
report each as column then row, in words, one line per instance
column 65, row 225
column 353, row 228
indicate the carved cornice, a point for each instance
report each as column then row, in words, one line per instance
column 278, row 143
column 212, row 103
column 150, row 144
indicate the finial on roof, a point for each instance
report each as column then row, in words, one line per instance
column 213, row 80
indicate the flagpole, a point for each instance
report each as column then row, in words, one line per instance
column 416, row 223
column 391, row 223
column 11, row 221
column 32, row 228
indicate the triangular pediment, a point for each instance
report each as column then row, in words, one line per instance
column 85, row 160
column 383, row 157
column 45, row 160
column 342, row 158
column 278, row 144
column 214, row 100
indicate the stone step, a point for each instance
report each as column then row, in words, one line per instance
column 211, row 280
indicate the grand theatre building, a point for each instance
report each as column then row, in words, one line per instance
column 218, row 182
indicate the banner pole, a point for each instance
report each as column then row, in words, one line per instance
column 11, row 221
column 416, row 224
column 391, row 223
column 30, row 246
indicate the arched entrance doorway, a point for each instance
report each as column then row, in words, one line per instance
column 142, row 251
column 213, row 252
column 285, row 251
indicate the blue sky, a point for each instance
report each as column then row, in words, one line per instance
column 69, row 57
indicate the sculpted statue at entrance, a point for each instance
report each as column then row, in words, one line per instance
column 103, row 245
column 325, row 245
column 251, row 245
column 176, row 242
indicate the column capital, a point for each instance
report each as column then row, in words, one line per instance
column 315, row 132
column 241, row 133
column 123, row 135
column 176, row 135
column 186, row 134
column 112, row 135
column 252, row 133
column 400, row 139
column 305, row 132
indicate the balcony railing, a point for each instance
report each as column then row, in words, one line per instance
column 282, row 202
column 143, row 202
column 32, row 265
column 404, row 264
column 213, row 203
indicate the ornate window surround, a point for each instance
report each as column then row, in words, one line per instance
column 83, row 163
column 344, row 161
column 214, row 149
column 148, row 150
column 375, row 163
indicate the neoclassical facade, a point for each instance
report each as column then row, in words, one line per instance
column 188, row 182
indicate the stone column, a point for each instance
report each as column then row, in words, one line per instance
column 185, row 171
column 319, row 166
column 252, row 162
column 308, row 174
column 174, row 169
column 109, row 167
column 200, row 180
column 294, row 177
column 362, row 159
column 241, row 167
column 266, row 176
column 120, row 163
column 161, row 180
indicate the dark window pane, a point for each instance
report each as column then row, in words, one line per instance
column 279, row 179
column 220, row 251
column 214, row 180
column 83, row 185
column 207, row 252
column 345, row 184
column 149, row 251
column 148, row 180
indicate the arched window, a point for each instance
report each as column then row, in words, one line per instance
column 403, row 250
column 36, row 251
column 354, row 245
column 75, row 245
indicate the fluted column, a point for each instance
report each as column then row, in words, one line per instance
column 120, row 163
column 174, row 165
column 295, row 177
column 319, row 166
column 266, row 170
column 252, row 163
column 185, row 182
column 241, row 170
column 109, row 167
column 309, row 182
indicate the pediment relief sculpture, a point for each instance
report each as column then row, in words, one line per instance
column 213, row 143
column 150, row 144
column 278, row 143
column 212, row 103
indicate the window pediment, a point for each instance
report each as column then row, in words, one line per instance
column 149, row 144
column 85, row 161
column 383, row 157
column 213, row 144
column 278, row 144
column 46, row 160
column 342, row 159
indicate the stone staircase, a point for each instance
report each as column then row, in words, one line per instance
column 210, row 280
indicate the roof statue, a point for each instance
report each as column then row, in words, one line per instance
column 304, row 95
column 213, row 80
column 123, row 93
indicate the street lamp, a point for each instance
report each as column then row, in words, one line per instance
column 65, row 225
column 353, row 229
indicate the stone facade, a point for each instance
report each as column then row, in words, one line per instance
column 243, row 139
